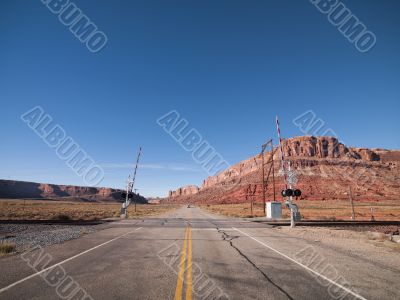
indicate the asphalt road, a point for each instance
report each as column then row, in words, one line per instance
column 191, row 254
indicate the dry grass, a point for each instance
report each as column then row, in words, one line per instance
column 61, row 210
column 6, row 247
column 318, row 210
column 149, row 210
column 235, row 210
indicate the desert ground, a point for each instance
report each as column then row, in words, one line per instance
column 17, row 237
column 388, row 210
column 11, row 209
column 227, row 258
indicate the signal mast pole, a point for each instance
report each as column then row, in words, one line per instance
column 270, row 161
column 129, row 187
column 288, row 199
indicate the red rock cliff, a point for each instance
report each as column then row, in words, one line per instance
column 20, row 189
column 325, row 169
column 184, row 191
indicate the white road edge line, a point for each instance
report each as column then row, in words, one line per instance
column 304, row 266
column 210, row 229
column 64, row 261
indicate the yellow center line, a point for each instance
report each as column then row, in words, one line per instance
column 185, row 259
column 179, row 283
column 189, row 267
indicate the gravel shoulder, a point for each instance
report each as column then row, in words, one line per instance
column 367, row 244
column 26, row 236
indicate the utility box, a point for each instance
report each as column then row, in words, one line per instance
column 274, row 210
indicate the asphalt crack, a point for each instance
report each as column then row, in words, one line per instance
column 228, row 238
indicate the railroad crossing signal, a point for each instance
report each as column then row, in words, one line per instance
column 290, row 181
column 128, row 195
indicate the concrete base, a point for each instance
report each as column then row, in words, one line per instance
column 124, row 213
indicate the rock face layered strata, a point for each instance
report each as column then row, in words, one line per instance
column 12, row 189
column 325, row 169
column 184, row 191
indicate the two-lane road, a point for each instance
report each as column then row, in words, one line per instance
column 191, row 254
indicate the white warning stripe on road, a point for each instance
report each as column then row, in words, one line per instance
column 64, row 261
column 304, row 266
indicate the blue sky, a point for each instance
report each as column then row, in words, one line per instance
column 228, row 67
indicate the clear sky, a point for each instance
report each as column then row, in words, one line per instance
column 228, row 67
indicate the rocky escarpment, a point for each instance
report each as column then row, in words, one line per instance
column 12, row 189
column 184, row 191
column 325, row 169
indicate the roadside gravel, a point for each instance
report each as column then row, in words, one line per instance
column 371, row 245
column 29, row 235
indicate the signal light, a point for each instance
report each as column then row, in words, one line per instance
column 123, row 195
column 297, row 193
column 290, row 192
column 287, row 193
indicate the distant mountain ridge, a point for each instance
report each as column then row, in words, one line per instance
column 325, row 169
column 12, row 189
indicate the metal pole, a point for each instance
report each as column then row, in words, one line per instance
column 372, row 214
column 263, row 179
column 289, row 199
column 126, row 203
column 134, row 201
column 134, row 174
column 129, row 187
column 353, row 215
column 273, row 170
column 292, row 223
column 282, row 153
column 263, row 163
